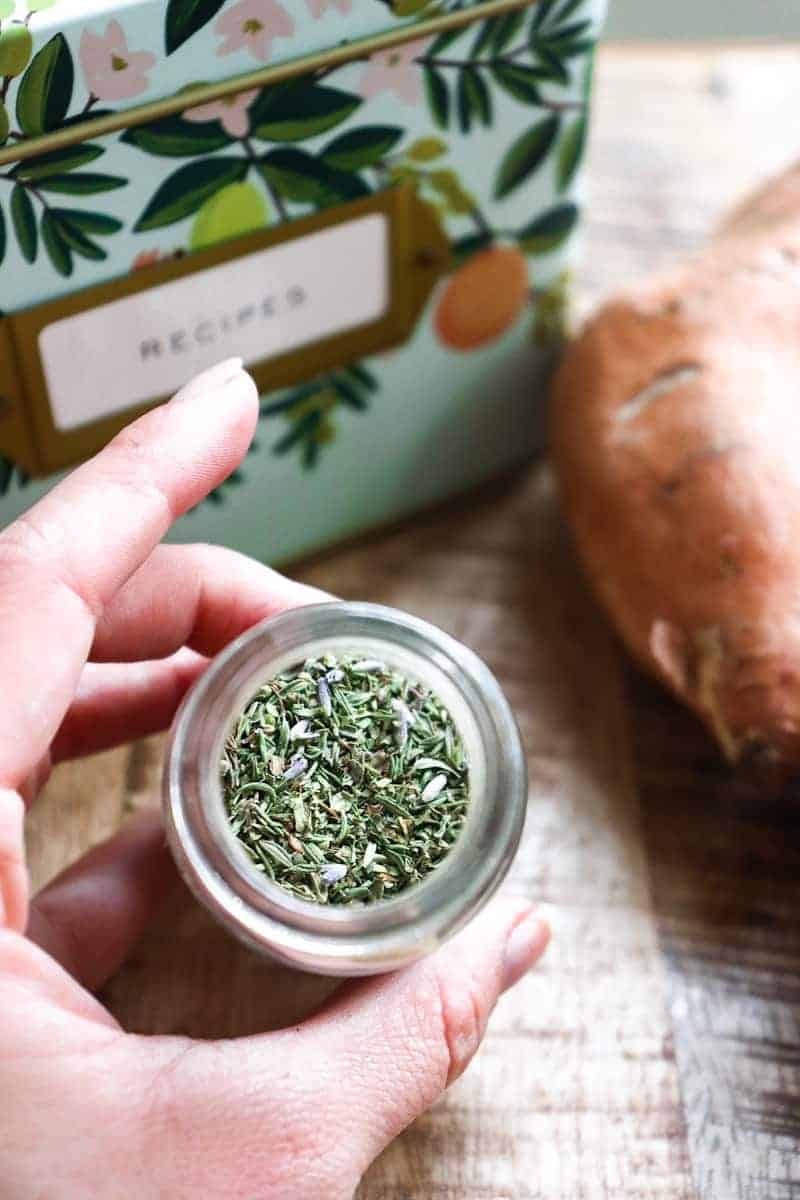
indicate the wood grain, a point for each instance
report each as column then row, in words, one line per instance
column 670, row 885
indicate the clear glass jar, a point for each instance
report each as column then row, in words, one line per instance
column 355, row 939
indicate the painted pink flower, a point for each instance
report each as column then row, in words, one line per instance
column 146, row 258
column 111, row 70
column 395, row 70
column 230, row 111
column 253, row 24
column 318, row 8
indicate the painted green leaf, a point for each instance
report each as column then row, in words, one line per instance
column 568, row 50
column 299, row 111
column 465, row 247
column 16, row 47
column 188, row 188
column 486, row 32
column 449, row 187
column 568, row 33
column 299, row 177
column 45, row 90
column 74, row 236
column 564, row 11
column 519, row 81
column 311, row 450
column 364, row 376
column 271, row 408
column 440, row 44
column 570, row 153
column 23, row 219
column 5, row 123
column 464, row 97
column 300, row 429
column 550, row 63
column 473, row 101
column 543, row 10
column 361, row 147
column 57, row 162
column 438, row 96
column 507, row 29
column 174, row 137
column 81, row 183
column 185, row 17
column 56, row 246
column 426, row 149
column 79, row 118
column 349, row 393
column 547, row 232
column 90, row 222
column 480, row 98
column 525, row 156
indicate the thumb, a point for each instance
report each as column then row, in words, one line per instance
column 304, row 1111
column 392, row 1045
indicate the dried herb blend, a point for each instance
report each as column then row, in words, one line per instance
column 344, row 781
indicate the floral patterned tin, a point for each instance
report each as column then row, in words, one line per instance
column 374, row 202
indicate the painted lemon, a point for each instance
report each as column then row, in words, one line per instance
column 483, row 299
column 407, row 8
column 231, row 212
column 16, row 47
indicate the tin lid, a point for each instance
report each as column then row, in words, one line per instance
column 65, row 62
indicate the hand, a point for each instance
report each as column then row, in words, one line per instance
column 102, row 632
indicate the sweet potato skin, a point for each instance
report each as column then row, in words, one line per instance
column 676, row 440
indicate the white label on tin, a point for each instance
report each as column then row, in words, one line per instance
column 147, row 345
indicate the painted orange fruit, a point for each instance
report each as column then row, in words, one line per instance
column 483, row 299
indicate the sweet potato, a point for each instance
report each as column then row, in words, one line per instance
column 676, row 440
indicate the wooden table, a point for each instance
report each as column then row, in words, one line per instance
column 657, row 1052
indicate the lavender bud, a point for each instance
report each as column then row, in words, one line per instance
column 324, row 694
column 370, row 666
column 333, row 873
column 433, row 789
column 296, row 767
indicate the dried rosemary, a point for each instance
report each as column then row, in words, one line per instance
column 344, row 781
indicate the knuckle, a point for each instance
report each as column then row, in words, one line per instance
column 463, row 1015
column 23, row 549
column 130, row 474
column 34, row 556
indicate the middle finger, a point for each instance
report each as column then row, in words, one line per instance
column 197, row 596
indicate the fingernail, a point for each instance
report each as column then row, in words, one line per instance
column 526, row 944
column 212, row 380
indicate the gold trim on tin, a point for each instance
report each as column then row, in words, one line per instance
column 203, row 94
column 419, row 254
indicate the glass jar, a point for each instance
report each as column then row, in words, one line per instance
column 358, row 939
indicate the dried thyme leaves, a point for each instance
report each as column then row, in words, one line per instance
column 344, row 781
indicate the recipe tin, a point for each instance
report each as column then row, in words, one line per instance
column 375, row 204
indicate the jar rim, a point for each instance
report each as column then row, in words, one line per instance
column 379, row 935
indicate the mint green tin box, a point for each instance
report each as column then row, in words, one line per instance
column 374, row 203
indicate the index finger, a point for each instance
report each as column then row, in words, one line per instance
column 64, row 560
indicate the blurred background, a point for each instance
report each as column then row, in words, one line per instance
column 689, row 19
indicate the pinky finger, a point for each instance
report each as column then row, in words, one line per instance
column 120, row 702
